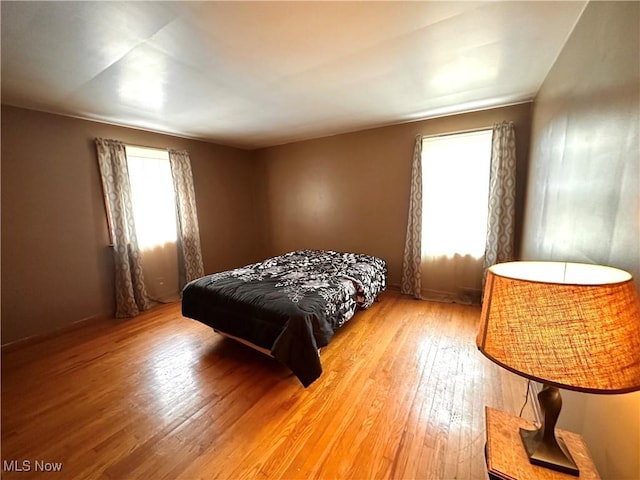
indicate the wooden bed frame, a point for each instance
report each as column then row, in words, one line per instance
column 245, row 342
column 248, row 343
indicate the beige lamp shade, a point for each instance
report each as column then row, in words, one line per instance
column 569, row 325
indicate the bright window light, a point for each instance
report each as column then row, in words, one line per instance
column 455, row 191
column 153, row 196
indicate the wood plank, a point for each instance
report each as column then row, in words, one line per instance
column 164, row 397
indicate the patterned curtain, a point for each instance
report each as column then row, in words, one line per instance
column 411, row 282
column 502, row 196
column 131, row 294
column 190, row 265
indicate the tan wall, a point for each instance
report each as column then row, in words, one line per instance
column 348, row 192
column 56, row 263
column 584, row 192
column 351, row 192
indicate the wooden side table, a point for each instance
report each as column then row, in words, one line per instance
column 507, row 459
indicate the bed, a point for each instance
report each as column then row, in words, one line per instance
column 288, row 306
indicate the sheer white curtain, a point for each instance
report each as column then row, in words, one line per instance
column 152, row 195
column 154, row 210
column 455, row 177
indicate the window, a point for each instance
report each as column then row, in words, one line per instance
column 153, row 196
column 455, row 189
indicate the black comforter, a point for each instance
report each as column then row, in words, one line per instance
column 290, row 305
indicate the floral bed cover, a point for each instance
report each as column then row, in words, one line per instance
column 291, row 304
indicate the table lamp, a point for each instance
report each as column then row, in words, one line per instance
column 567, row 325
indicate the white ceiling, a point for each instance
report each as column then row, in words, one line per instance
column 254, row 74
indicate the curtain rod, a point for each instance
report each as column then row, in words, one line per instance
column 145, row 146
column 166, row 149
column 128, row 144
column 458, row 132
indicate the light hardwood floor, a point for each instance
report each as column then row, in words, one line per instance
column 163, row 397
